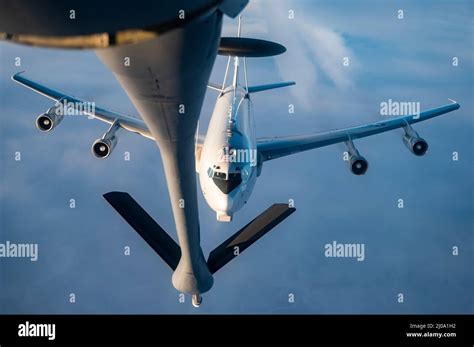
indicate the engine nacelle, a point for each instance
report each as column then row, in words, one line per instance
column 50, row 119
column 414, row 142
column 358, row 164
column 101, row 148
column 416, row 145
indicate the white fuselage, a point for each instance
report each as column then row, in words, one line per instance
column 228, row 160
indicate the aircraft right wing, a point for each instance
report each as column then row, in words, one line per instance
column 276, row 147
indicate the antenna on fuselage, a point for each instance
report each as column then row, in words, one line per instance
column 225, row 75
column 239, row 30
column 237, row 61
column 245, row 76
column 230, row 57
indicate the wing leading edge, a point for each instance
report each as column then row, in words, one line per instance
column 126, row 122
column 276, row 147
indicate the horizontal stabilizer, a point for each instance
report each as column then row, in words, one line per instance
column 214, row 86
column 246, row 236
column 255, row 89
column 245, row 47
column 145, row 225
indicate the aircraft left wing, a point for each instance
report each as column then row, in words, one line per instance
column 276, row 147
column 118, row 120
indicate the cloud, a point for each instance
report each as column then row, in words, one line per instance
column 329, row 51
column 315, row 53
column 81, row 249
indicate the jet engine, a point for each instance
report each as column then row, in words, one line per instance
column 101, row 148
column 357, row 163
column 50, row 119
column 414, row 142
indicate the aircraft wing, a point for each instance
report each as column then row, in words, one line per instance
column 126, row 122
column 276, row 147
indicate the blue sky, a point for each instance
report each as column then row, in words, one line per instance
column 407, row 250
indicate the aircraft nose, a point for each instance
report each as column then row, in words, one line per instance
column 225, row 203
column 224, row 211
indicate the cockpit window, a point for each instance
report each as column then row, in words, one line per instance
column 227, row 183
column 220, row 175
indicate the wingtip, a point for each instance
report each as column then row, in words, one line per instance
column 14, row 76
column 454, row 102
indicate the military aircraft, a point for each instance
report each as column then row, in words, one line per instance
column 161, row 84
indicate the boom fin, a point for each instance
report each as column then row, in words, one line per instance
column 146, row 227
column 170, row 251
column 246, row 236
